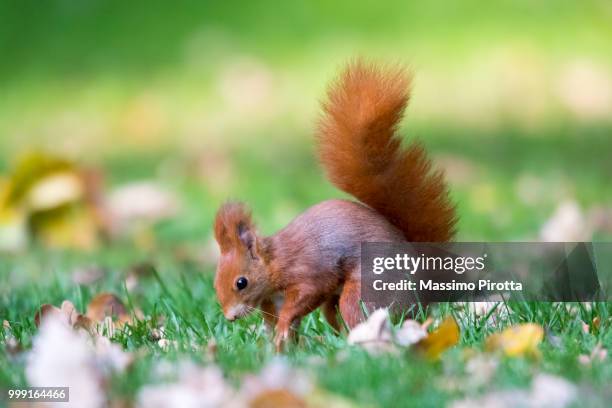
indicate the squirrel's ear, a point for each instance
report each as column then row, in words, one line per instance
column 233, row 228
column 248, row 238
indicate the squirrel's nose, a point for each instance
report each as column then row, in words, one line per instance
column 230, row 315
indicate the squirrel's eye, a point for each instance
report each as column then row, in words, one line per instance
column 241, row 283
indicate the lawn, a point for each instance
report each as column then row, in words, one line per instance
column 210, row 104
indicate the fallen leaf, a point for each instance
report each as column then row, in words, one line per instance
column 53, row 197
column 74, row 359
column 546, row 391
column 277, row 398
column 567, row 224
column 111, row 358
column 410, row 333
column 104, row 314
column 135, row 203
column 54, row 190
column 374, row 334
column 585, row 327
column 66, row 227
column 445, row 336
column 107, row 305
column 13, row 227
column 275, row 383
column 87, row 275
column 323, row 399
column 47, row 311
column 167, row 344
column 596, row 323
column 600, row 219
column 552, row 391
column 195, row 387
column 516, row 341
column 480, row 370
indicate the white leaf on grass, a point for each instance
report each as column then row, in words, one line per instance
column 277, row 375
column 195, row 387
column 110, row 357
column 374, row 334
column 567, row 224
column 547, row 391
column 140, row 202
column 552, row 391
column 62, row 357
column 410, row 333
column 480, row 370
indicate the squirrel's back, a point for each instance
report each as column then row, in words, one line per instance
column 361, row 151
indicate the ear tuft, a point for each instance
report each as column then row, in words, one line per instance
column 233, row 227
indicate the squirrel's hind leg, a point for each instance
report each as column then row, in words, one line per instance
column 350, row 309
column 330, row 311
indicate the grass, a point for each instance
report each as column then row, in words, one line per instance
column 182, row 296
column 82, row 79
column 180, row 293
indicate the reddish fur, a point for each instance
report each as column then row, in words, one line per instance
column 314, row 260
column 361, row 151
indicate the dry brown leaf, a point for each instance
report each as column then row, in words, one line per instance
column 596, row 323
column 516, row 341
column 107, row 304
column 280, row 398
column 48, row 310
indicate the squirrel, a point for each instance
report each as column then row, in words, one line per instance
column 315, row 260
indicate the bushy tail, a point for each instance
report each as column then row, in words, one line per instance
column 362, row 153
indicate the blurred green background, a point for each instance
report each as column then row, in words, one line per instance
column 218, row 100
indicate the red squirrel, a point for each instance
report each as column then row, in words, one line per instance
column 315, row 260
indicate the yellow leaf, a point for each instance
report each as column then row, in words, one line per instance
column 515, row 341
column 69, row 227
column 445, row 336
column 31, row 168
column 55, row 190
column 13, row 229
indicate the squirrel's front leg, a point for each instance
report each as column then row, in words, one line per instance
column 299, row 301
